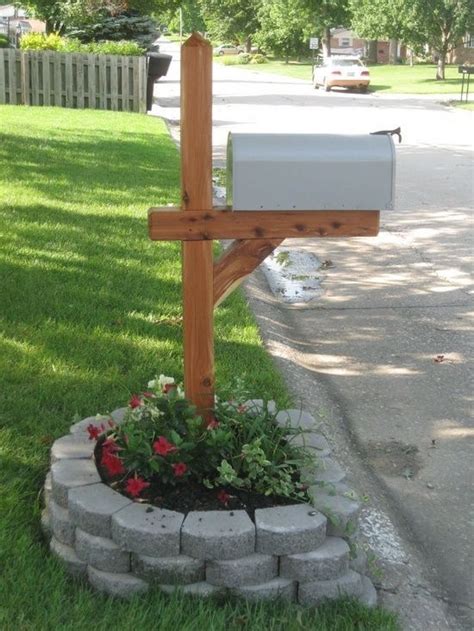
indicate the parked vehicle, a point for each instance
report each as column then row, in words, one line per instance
column 226, row 49
column 341, row 72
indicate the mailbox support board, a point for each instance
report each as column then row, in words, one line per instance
column 256, row 233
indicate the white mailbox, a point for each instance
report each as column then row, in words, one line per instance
column 310, row 172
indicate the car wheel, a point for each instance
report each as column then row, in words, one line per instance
column 326, row 86
column 220, row 53
column 363, row 89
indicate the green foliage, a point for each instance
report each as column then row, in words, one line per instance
column 140, row 29
column 231, row 19
column 258, row 58
column 283, row 27
column 4, row 42
column 54, row 42
column 236, row 60
column 192, row 18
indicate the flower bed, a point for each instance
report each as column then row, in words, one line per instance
column 293, row 544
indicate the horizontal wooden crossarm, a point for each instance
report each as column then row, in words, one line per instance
column 172, row 224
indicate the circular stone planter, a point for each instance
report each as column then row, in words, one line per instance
column 296, row 553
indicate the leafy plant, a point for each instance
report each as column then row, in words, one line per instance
column 54, row 42
column 164, row 439
column 140, row 29
column 258, row 58
column 4, row 43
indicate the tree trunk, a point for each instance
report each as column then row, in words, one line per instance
column 327, row 42
column 248, row 44
column 392, row 51
column 372, row 51
column 440, row 67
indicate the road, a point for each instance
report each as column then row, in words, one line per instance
column 391, row 305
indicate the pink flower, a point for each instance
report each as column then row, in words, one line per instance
column 179, row 469
column 135, row 486
column 223, row 497
column 95, row 431
column 135, row 401
column 110, row 446
column 163, row 447
column 149, row 395
column 112, row 463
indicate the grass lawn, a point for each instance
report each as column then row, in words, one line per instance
column 90, row 310
column 397, row 79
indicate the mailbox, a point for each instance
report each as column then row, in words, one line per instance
column 310, row 172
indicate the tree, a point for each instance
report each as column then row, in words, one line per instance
column 283, row 27
column 232, row 19
column 192, row 17
column 325, row 15
column 444, row 23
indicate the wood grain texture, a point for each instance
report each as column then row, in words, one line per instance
column 166, row 224
column 196, row 182
column 238, row 261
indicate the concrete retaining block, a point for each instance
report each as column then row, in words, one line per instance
column 318, row 445
column 359, row 562
column 118, row 415
column 200, row 590
column 147, row 530
column 71, row 446
column 122, row 585
column 251, row 570
column 80, row 428
column 329, row 561
column 315, row 592
column 47, row 489
column 68, row 558
column 101, row 553
column 218, row 535
column 368, row 595
column 342, row 513
column 329, row 472
column 69, row 474
column 276, row 589
column 296, row 418
column 290, row 529
column 169, row 570
column 61, row 524
column 91, row 508
column 46, row 523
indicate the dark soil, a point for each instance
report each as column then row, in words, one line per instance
column 193, row 496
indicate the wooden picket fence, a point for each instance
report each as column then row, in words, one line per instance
column 105, row 82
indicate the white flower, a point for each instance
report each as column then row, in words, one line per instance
column 164, row 381
column 152, row 384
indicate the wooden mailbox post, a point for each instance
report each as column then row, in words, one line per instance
column 256, row 233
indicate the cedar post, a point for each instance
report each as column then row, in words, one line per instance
column 196, row 185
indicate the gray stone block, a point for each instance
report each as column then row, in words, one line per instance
column 71, row 446
column 290, row 529
column 118, row 415
column 250, row 570
column 276, row 589
column 329, row 472
column 69, row 474
column 45, row 523
column 147, row 530
column 254, row 405
column 315, row 592
column 318, row 445
column 368, row 594
column 101, row 553
column 342, row 513
column 91, row 508
column 180, row 570
column 121, row 585
column 218, row 535
column 296, row 418
column 68, row 558
column 47, row 489
column 360, row 561
column 272, row 407
column 200, row 590
column 61, row 524
column 329, row 561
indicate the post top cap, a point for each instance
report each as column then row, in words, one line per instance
column 196, row 39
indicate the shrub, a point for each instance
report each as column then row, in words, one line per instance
column 54, row 42
column 140, row 29
column 4, row 43
column 236, row 60
column 162, row 440
column 258, row 59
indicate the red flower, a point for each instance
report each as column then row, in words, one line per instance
column 169, row 386
column 95, row 431
column 149, row 395
column 179, row 469
column 223, row 497
column 110, row 446
column 213, row 423
column 112, row 463
column 163, row 447
column 135, row 401
column 135, row 486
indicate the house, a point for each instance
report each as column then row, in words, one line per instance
column 13, row 18
column 346, row 42
column 464, row 53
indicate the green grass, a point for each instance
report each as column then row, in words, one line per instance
column 463, row 105
column 90, row 310
column 402, row 79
